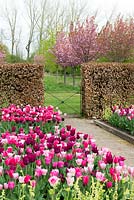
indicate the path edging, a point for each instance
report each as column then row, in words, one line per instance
column 115, row 131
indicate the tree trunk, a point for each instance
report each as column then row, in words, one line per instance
column 12, row 48
column 73, row 75
column 64, row 75
column 57, row 74
column 28, row 50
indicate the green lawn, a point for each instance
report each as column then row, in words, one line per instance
column 65, row 97
column 53, row 83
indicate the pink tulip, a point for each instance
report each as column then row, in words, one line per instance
column 1, row 170
column 1, row 186
column 102, row 164
column 21, row 179
column 53, row 180
column 84, row 162
column 11, row 185
column 109, row 184
column 44, row 171
column 69, row 157
column 54, row 164
column 79, row 161
column 38, row 172
column 5, row 186
column 85, row 180
column 33, row 183
column 16, row 175
column 70, row 181
column 78, row 172
column 100, row 176
column 60, row 164
column 48, row 160
column 71, row 172
column 27, row 179
column 38, row 162
column 54, row 172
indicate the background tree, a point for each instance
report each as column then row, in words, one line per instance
column 12, row 19
column 75, row 11
column 33, row 16
column 64, row 53
column 79, row 46
column 118, row 39
column 84, row 40
column 46, row 50
column 42, row 21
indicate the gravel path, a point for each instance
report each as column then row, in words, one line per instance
column 103, row 138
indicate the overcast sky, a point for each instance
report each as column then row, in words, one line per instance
column 104, row 8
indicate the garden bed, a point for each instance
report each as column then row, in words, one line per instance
column 41, row 158
column 120, row 133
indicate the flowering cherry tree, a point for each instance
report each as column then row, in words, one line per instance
column 79, row 46
column 64, row 53
column 118, row 39
column 84, row 40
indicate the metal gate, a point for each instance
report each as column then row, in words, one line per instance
column 66, row 98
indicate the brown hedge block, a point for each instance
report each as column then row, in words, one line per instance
column 103, row 83
column 21, row 84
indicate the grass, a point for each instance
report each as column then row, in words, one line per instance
column 54, row 83
column 65, row 97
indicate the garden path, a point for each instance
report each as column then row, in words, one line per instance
column 103, row 138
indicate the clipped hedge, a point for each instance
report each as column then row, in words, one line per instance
column 21, row 84
column 104, row 84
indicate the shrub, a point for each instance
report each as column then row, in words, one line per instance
column 22, row 83
column 14, row 59
column 104, row 84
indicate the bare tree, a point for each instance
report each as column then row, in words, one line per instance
column 41, row 21
column 75, row 11
column 17, row 43
column 2, row 35
column 12, row 19
column 33, row 16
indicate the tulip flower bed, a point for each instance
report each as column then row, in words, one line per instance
column 123, row 118
column 59, row 165
column 16, row 117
